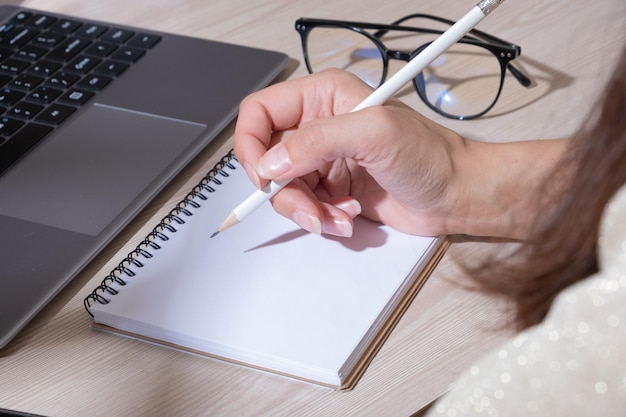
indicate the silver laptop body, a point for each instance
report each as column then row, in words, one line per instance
column 74, row 191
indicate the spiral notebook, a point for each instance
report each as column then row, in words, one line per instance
column 264, row 293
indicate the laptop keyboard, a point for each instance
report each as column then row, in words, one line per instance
column 49, row 67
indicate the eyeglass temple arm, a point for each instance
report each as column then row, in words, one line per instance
column 519, row 75
column 394, row 26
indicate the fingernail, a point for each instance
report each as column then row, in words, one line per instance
column 308, row 222
column 351, row 207
column 338, row 227
column 274, row 162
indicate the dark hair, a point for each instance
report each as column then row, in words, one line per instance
column 562, row 246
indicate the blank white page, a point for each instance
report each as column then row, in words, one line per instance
column 265, row 292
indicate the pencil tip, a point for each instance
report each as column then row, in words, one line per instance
column 230, row 221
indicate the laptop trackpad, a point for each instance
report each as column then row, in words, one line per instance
column 109, row 156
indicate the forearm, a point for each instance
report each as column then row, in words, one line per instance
column 499, row 186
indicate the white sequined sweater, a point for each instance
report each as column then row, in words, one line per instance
column 573, row 363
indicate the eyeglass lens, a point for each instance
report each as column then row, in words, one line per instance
column 345, row 49
column 463, row 82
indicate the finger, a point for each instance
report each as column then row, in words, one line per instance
column 262, row 118
column 300, row 204
column 297, row 202
column 345, row 203
column 288, row 105
column 336, row 222
column 348, row 205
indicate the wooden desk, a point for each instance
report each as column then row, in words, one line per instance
column 59, row 366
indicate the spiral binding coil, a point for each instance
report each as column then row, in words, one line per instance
column 168, row 223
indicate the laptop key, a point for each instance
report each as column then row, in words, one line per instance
column 21, row 142
column 65, row 26
column 44, row 95
column 48, row 39
column 117, row 35
column 111, row 68
column 68, row 49
column 128, row 54
column 21, row 17
column 40, row 21
column 18, row 37
column 31, row 52
column 6, row 28
column 91, row 31
column 44, row 68
column 55, row 114
column 5, row 52
column 26, row 81
column 9, row 96
column 9, row 125
column 5, row 79
column 63, row 79
column 76, row 97
column 13, row 66
column 82, row 64
column 101, row 49
column 144, row 40
column 24, row 110
column 94, row 82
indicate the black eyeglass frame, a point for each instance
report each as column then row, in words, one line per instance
column 504, row 51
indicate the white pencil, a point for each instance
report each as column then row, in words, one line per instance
column 379, row 96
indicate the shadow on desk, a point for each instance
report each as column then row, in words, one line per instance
column 423, row 411
column 11, row 413
column 545, row 80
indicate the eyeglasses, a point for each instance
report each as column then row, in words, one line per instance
column 463, row 83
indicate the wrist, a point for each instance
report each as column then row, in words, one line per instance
column 495, row 188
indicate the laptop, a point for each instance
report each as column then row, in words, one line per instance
column 95, row 119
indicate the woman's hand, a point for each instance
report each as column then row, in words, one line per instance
column 388, row 163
